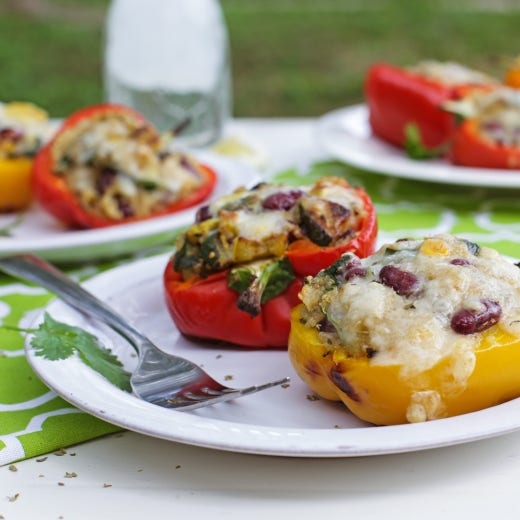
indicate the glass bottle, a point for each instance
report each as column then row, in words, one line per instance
column 170, row 60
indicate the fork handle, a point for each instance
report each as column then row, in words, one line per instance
column 34, row 269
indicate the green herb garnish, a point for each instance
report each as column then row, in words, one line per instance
column 54, row 340
column 257, row 285
column 414, row 146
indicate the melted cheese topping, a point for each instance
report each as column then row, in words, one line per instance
column 259, row 226
column 498, row 114
column 451, row 73
column 414, row 331
column 116, row 167
column 260, row 223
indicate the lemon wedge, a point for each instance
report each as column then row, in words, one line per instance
column 238, row 148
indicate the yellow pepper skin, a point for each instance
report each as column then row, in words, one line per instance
column 30, row 126
column 15, row 183
column 382, row 395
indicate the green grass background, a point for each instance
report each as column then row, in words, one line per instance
column 289, row 57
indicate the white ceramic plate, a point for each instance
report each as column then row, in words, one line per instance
column 278, row 421
column 346, row 134
column 40, row 233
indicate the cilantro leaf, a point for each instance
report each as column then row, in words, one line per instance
column 54, row 340
column 103, row 361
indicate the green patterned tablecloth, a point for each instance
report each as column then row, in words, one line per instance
column 33, row 420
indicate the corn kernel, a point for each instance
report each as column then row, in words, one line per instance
column 434, row 247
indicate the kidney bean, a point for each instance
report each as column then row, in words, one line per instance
column 124, row 207
column 337, row 211
column 187, row 165
column 460, row 261
column 10, row 134
column 402, row 282
column 203, row 213
column 353, row 269
column 282, row 200
column 470, row 321
column 326, row 326
column 105, row 179
column 493, row 126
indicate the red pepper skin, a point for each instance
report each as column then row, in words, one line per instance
column 307, row 258
column 397, row 96
column 206, row 308
column 469, row 148
column 54, row 196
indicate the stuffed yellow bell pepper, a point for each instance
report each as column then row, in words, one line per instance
column 421, row 330
column 23, row 129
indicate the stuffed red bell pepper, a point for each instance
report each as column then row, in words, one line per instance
column 400, row 96
column 489, row 133
column 237, row 272
column 107, row 165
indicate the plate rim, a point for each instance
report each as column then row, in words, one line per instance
column 239, row 437
column 331, row 126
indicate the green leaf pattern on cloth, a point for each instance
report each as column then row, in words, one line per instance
column 33, row 420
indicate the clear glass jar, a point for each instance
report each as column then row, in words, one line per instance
column 170, row 60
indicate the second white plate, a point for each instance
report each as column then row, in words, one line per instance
column 346, row 134
column 285, row 421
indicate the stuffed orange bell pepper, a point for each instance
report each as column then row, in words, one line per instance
column 237, row 271
column 489, row 133
column 401, row 96
column 23, row 129
column 107, row 165
column 421, row 330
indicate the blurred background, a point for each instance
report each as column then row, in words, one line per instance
column 289, row 57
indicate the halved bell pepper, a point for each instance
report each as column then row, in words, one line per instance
column 56, row 196
column 23, row 128
column 15, row 183
column 202, row 297
column 397, row 97
column 471, row 148
column 490, row 136
column 382, row 395
column 421, row 330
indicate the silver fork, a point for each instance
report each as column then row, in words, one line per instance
column 160, row 378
